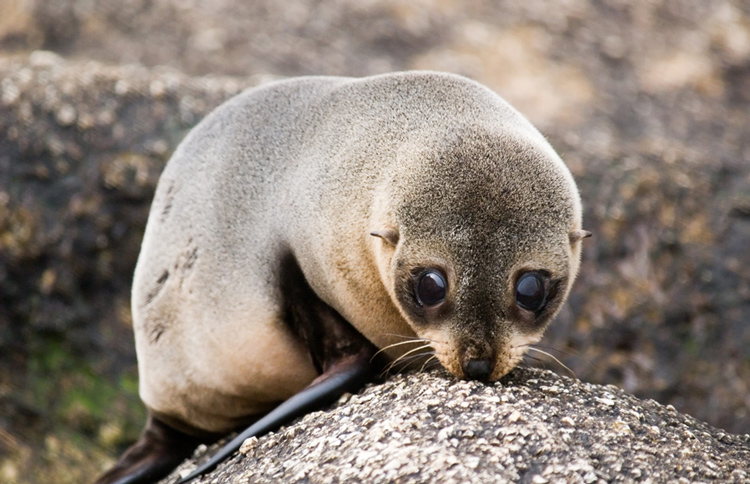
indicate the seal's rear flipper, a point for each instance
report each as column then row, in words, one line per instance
column 346, row 375
column 159, row 450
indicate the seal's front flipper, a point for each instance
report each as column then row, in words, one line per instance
column 346, row 375
column 342, row 355
column 159, row 450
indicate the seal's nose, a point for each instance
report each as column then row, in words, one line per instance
column 478, row 369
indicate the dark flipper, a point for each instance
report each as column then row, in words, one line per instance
column 342, row 355
column 159, row 450
column 349, row 375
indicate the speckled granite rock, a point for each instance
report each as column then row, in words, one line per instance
column 532, row 427
column 647, row 102
column 81, row 148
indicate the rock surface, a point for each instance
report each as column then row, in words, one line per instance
column 532, row 427
column 647, row 102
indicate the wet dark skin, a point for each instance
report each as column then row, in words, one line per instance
column 344, row 358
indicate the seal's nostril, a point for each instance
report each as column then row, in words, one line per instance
column 478, row 369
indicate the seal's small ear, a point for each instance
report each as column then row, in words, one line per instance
column 576, row 235
column 388, row 235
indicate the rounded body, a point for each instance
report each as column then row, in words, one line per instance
column 310, row 167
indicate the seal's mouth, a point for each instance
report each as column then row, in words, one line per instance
column 491, row 366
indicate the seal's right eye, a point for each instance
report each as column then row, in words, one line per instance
column 431, row 288
column 531, row 292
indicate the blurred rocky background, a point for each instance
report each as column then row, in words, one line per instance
column 648, row 102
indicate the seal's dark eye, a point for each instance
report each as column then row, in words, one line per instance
column 530, row 292
column 431, row 288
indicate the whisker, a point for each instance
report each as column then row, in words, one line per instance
column 431, row 358
column 413, row 337
column 413, row 350
column 402, row 336
column 405, row 355
column 574, row 353
column 553, row 357
column 411, row 358
column 534, row 362
column 419, row 348
column 398, row 344
column 416, row 355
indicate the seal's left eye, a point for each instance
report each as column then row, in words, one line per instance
column 531, row 293
column 431, row 288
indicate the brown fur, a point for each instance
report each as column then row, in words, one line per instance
column 440, row 170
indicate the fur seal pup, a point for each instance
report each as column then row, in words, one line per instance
column 308, row 225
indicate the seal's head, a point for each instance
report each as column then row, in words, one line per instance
column 479, row 243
